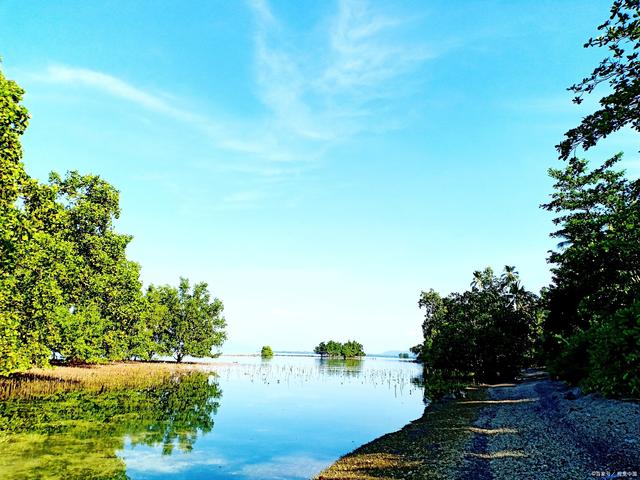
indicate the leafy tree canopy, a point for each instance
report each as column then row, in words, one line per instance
column 350, row 349
column 483, row 333
column 620, row 35
column 190, row 322
column 66, row 285
column 592, row 326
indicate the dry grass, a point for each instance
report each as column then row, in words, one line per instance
column 371, row 466
column 500, row 454
column 38, row 382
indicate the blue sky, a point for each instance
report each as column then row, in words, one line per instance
column 317, row 163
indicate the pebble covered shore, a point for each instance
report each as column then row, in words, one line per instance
column 535, row 429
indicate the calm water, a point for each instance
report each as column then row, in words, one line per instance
column 284, row 418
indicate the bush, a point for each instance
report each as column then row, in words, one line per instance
column 606, row 357
column 266, row 352
column 615, row 354
column 572, row 362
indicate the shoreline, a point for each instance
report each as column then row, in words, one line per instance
column 533, row 429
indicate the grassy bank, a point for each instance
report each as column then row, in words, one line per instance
column 428, row 448
column 112, row 376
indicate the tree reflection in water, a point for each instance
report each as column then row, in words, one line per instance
column 339, row 366
column 76, row 435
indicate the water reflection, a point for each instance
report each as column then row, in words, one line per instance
column 76, row 435
column 283, row 418
column 339, row 366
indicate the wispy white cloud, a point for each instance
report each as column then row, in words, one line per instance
column 296, row 466
column 152, row 461
column 364, row 52
column 318, row 91
column 323, row 91
column 118, row 88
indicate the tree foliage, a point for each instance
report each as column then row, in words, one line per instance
column 597, row 264
column 18, row 349
column 620, row 70
column 67, row 287
column 592, row 327
column 266, row 352
column 190, row 323
column 483, row 333
column 596, row 276
column 349, row 349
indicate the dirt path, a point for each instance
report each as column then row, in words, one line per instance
column 530, row 430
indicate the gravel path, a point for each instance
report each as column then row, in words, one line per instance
column 532, row 431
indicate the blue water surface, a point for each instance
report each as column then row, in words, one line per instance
column 287, row 418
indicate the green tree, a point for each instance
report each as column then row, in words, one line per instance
column 16, row 347
column 591, row 321
column 193, row 323
column 620, row 70
column 150, row 340
column 614, row 354
column 266, row 352
column 596, row 276
column 334, row 349
column 597, row 263
column 74, row 261
column 483, row 333
column 66, row 285
column 352, row 349
column 107, row 278
column 321, row 349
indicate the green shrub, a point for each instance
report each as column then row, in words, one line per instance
column 615, row 354
column 266, row 352
column 606, row 357
column 572, row 361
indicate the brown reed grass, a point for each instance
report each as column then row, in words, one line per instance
column 38, row 382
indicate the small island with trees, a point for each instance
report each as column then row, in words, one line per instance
column 349, row 349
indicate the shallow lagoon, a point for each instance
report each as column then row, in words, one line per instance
column 283, row 418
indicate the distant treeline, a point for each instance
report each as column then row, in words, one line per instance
column 67, row 288
column 350, row 349
column 585, row 326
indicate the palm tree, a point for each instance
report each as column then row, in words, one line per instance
column 476, row 283
column 482, row 279
column 510, row 275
